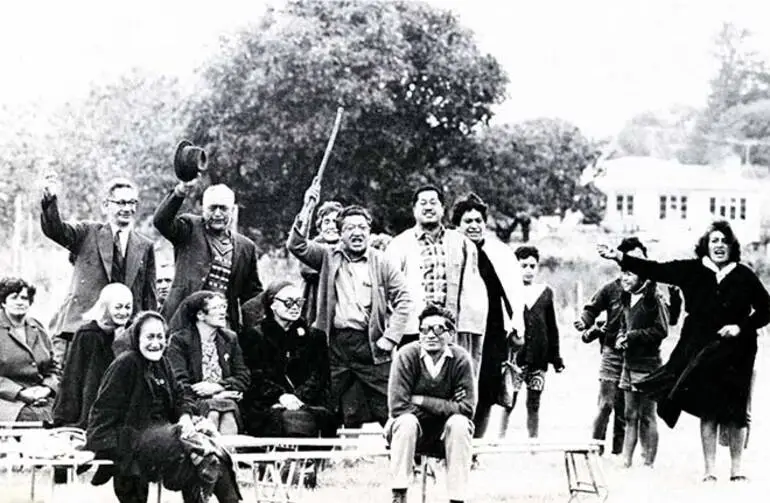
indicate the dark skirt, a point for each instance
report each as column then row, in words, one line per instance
column 714, row 384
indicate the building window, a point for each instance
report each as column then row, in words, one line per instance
column 624, row 203
column 672, row 206
column 743, row 208
column 713, row 205
column 731, row 208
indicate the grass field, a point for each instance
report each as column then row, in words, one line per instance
column 567, row 411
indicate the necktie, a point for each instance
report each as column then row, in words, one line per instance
column 118, row 261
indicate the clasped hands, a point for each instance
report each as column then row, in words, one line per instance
column 458, row 396
column 205, row 389
column 35, row 395
column 289, row 401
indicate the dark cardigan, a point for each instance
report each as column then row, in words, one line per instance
column 541, row 334
column 645, row 325
column 123, row 407
column 89, row 356
column 707, row 375
column 184, row 354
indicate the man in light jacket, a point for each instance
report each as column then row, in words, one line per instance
column 441, row 267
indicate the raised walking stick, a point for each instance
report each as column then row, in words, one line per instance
column 329, row 145
column 327, row 153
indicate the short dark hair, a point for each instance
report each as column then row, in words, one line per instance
column 353, row 210
column 702, row 247
column 526, row 251
column 427, row 188
column 435, row 310
column 9, row 286
column 632, row 243
column 118, row 183
column 198, row 302
column 326, row 208
column 466, row 204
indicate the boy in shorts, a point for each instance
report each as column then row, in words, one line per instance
column 541, row 341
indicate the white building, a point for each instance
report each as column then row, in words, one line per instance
column 669, row 201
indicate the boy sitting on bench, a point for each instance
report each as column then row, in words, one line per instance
column 432, row 398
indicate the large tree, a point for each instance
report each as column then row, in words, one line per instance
column 413, row 83
column 535, row 167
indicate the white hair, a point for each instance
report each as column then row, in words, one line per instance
column 99, row 310
column 218, row 194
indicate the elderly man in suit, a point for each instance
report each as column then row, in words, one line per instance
column 102, row 253
column 208, row 253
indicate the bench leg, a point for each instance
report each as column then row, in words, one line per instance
column 424, row 478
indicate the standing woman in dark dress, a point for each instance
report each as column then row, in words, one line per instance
column 289, row 364
column 709, row 371
column 142, row 420
column 501, row 274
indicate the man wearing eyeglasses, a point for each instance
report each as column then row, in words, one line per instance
column 102, row 253
column 432, row 399
column 362, row 307
column 209, row 254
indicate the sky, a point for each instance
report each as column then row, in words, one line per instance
column 593, row 62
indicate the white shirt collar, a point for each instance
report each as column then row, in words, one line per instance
column 532, row 292
column 720, row 273
column 434, row 368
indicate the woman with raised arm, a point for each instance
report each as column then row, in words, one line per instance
column 709, row 371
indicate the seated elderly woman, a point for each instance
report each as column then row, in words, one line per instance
column 90, row 353
column 206, row 358
column 289, row 366
column 29, row 377
column 142, row 420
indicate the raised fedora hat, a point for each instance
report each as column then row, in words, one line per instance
column 189, row 160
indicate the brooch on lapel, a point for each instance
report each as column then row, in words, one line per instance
column 300, row 331
column 227, row 356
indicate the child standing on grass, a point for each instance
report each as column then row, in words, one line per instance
column 541, row 340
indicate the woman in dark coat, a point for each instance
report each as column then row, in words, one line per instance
column 709, row 371
column 29, row 376
column 142, row 420
column 90, row 354
column 207, row 359
column 289, row 366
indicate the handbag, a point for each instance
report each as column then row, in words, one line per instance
column 510, row 374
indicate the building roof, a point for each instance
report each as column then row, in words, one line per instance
column 635, row 173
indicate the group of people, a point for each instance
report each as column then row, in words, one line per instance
column 422, row 333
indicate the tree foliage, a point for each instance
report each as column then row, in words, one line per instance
column 413, row 83
column 535, row 167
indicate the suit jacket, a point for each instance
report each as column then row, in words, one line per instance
column 23, row 365
column 193, row 259
column 391, row 302
column 90, row 245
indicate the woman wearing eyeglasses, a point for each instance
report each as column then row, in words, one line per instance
column 207, row 358
column 289, row 365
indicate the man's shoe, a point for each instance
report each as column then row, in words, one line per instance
column 103, row 475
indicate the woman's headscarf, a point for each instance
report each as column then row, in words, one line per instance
column 134, row 330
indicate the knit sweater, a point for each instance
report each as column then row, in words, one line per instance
column 409, row 377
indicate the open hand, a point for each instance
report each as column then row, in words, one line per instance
column 729, row 331
column 608, row 253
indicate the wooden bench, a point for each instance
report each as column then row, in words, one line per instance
column 24, row 445
column 274, row 483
